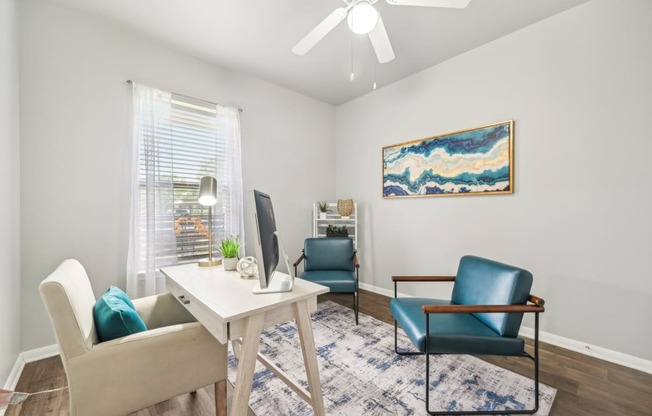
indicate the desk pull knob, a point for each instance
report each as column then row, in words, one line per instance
column 184, row 300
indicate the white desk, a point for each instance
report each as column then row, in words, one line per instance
column 225, row 305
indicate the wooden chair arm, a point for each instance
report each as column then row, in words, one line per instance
column 296, row 263
column 423, row 278
column 356, row 263
column 303, row 256
column 536, row 300
column 481, row 308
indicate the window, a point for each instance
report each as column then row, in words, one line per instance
column 179, row 140
column 190, row 151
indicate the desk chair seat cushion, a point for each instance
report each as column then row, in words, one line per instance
column 333, row 253
column 451, row 333
column 339, row 281
column 482, row 281
column 115, row 316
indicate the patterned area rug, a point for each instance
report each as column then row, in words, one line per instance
column 362, row 375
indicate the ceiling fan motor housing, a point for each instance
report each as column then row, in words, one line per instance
column 363, row 17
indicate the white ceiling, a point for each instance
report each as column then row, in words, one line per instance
column 255, row 36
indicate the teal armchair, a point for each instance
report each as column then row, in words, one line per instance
column 332, row 262
column 483, row 317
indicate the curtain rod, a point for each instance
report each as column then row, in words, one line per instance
column 130, row 82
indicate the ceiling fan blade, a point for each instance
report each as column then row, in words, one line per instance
column 320, row 31
column 381, row 43
column 455, row 4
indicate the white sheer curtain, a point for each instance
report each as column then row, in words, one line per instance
column 234, row 224
column 152, row 199
column 160, row 124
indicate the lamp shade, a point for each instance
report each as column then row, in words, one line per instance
column 363, row 17
column 208, row 191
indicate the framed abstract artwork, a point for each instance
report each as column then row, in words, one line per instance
column 478, row 161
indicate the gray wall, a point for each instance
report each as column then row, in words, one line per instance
column 10, row 185
column 579, row 87
column 76, row 141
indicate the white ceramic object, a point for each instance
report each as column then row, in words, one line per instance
column 247, row 267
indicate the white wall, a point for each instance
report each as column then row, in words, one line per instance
column 579, row 87
column 75, row 153
column 10, row 185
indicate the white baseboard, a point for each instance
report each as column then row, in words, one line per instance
column 24, row 358
column 40, row 353
column 379, row 290
column 28, row 357
column 15, row 373
column 570, row 344
column 591, row 350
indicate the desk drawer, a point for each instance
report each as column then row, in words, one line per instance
column 204, row 315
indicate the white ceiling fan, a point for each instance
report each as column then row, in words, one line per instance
column 364, row 18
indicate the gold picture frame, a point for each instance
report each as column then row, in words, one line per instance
column 478, row 161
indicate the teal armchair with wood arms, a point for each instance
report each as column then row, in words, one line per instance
column 332, row 262
column 483, row 317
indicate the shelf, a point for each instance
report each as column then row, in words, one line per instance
column 320, row 225
column 351, row 219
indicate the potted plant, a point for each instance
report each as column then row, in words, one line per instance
column 324, row 208
column 333, row 231
column 230, row 247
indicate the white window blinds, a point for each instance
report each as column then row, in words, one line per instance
column 180, row 139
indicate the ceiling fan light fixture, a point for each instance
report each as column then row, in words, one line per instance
column 362, row 17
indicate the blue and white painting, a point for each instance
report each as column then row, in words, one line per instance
column 476, row 161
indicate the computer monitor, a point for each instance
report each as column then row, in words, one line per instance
column 268, row 247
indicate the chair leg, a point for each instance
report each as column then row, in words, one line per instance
column 220, row 398
column 356, row 305
column 483, row 412
column 487, row 412
column 396, row 331
column 396, row 343
column 536, row 362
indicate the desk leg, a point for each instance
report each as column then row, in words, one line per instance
column 237, row 346
column 220, row 398
column 246, row 365
column 304, row 326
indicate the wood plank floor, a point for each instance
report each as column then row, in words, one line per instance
column 586, row 386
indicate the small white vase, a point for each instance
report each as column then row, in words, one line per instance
column 322, row 215
column 230, row 263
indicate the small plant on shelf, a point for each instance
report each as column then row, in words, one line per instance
column 324, row 208
column 333, row 231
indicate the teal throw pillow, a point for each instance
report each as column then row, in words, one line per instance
column 115, row 316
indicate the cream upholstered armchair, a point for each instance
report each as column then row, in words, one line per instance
column 175, row 355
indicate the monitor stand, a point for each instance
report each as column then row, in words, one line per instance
column 280, row 282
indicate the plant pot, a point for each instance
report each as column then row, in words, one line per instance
column 230, row 263
column 322, row 215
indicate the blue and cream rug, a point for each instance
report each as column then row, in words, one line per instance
column 362, row 375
